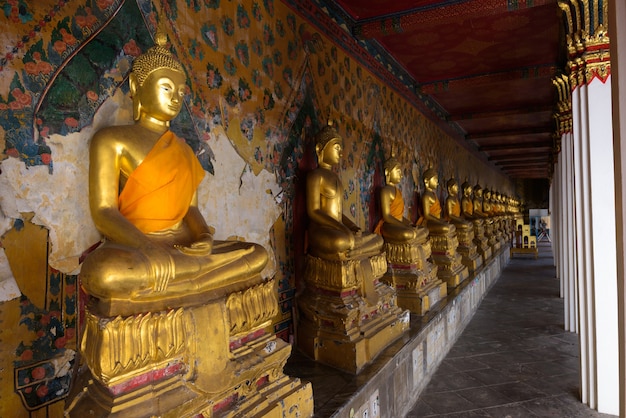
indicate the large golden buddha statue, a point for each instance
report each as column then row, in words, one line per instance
column 465, row 229
column 407, row 248
column 175, row 323
column 142, row 193
column 443, row 235
column 332, row 235
column 347, row 314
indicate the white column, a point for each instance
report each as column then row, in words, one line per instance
column 583, row 222
column 602, row 182
column 617, row 13
column 570, row 237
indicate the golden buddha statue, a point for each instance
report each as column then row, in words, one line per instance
column 484, row 200
column 407, row 248
column 142, row 194
column 175, row 323
column 431, row 206
column 332, row 235
column 453, row 205
column 465, row 229
column 478, row 202
column 487, row 205
column 443, row 235
column 347, row 315
column 393, row 226
column 468, row 213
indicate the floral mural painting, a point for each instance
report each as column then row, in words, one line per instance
column 63, row 82
column 43, row 373
column 33, row 65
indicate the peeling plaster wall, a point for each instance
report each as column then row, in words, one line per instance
column 236, row 202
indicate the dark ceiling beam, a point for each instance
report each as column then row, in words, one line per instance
column 521, row 155
column 522, row 164
column 515, row 146
column 544, row 159
column 501, row 113
column 446, row 86
column 513, row 132
column 435, row 15
column 529, row 163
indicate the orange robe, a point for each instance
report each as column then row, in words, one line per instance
column 158, row 193
column 456, row 210
column 396, row 209
column 435, row 210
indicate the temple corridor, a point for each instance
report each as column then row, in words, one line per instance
column 514, row 359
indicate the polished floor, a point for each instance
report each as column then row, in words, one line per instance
column 514, row 359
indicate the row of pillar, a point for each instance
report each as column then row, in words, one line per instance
column 583, row 203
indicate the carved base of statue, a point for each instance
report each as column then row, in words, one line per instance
column 490, row 232
column 348, row 316
column 481, row 241
column 450, row 268
column 414, row 277
column 195, row 361
column 468, row 250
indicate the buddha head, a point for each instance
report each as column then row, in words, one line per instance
column 453, row 187
column 478, row 191
column 431, row 180
column 328, row 145
column 157, row 83
column 393, row 172
column 467, row 189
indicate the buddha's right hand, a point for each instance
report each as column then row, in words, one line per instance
column 162, row 266
column 202, row 247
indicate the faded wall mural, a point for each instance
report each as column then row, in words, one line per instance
column 262, row 79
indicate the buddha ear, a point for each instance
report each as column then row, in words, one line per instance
column 132, row 83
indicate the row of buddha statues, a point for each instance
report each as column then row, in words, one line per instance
column 177, row 324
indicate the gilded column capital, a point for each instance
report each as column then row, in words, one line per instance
column 597, row 56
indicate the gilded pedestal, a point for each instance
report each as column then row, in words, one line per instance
column 481, row 241
column 491, row 234
column 414, row 277
column 348, row 316
column 467, row 248
column 450, row 268
column 215, row 359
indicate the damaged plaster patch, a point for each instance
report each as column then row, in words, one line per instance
column 60, row 201
column 238, row 203
column 8, row 286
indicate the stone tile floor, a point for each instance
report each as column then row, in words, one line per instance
column 514, row 359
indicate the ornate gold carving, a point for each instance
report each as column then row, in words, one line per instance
column 252, row 307
column 117, row 348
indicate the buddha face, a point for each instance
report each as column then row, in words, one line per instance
column 432, row 182
column 332, row 152
column 467, row 192
column 478, row 193
column 453, row 189
column 395, row 175
column 161, row 94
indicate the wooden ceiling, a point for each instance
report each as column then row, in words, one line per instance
column 487, row 64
